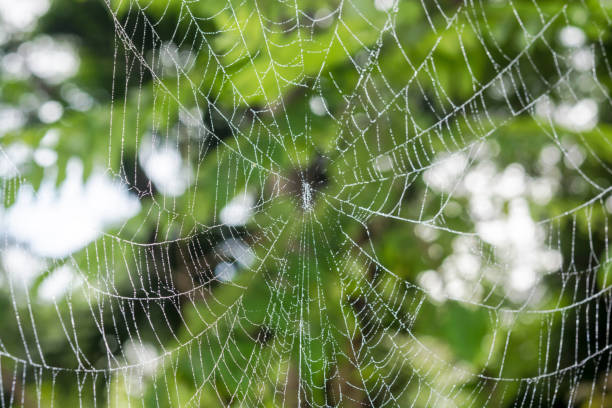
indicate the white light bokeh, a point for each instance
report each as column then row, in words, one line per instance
column 165, row 167
column 60, row 281
column 572, row 37
column 50, row 59
column 144, row 357
column 21, row 266
column 45, row 156
column 580, row 116
column 50, row 111
column 383, row 163
column 432, row 282
column 13, row 66
column 57, row 222
column 583, row 59
column 498, row 203
column 78, row 99
column 238, row 211
column 11, row 119
column 237, row 250
column 425, row 232
column 384, row 5
column 225, row 271
column 13, row 158
column 21, row 15
column 317, row 105
column 445, row 172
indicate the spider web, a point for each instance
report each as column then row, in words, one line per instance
column 354, row 222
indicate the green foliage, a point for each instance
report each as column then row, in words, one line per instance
column 246, row 83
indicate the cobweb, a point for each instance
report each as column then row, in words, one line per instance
column 343, row 203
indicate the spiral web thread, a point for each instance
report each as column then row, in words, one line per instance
column 241, row 137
